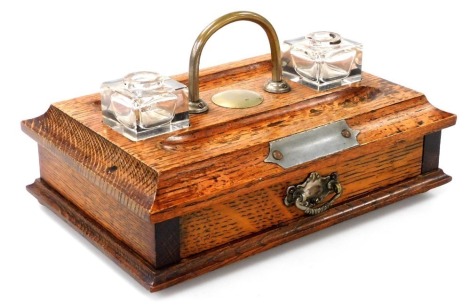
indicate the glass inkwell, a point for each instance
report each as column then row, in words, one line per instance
column 322, row 60
column 144, row 104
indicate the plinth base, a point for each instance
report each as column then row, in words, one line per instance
column 155, row 280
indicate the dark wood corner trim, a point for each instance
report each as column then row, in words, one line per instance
column 167, row 242
column 431, row 149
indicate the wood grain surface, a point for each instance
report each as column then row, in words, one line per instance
column 236, row 215
column 175, row 174
column 205, row 194
column 98, row 205
column 155, row 280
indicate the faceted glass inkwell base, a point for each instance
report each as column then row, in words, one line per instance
column 138, row 133
column 144, row 104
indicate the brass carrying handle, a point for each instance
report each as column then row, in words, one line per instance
column 275, row 85
column 308, row 195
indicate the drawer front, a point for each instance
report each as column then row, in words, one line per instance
column 360, row 170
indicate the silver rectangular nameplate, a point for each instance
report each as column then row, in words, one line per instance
column 312, row 144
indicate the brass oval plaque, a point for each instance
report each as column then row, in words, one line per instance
column 237, row 99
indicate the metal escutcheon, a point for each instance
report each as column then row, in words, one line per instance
column 309, row 195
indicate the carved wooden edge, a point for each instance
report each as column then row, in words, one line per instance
column 155, row 280
column 124, row 177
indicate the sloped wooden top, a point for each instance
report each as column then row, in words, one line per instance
column 223, row 150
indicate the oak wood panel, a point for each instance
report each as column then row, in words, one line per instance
column 117, row 219
column 359, row 170
column 167, row 176
column 113, row 190
column 93, row 231
column 209, row 177
column 196, row 265
column 124, row 178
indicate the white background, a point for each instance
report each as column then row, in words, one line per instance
column 412, row 254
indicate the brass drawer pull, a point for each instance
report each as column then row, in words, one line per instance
column 308, row 195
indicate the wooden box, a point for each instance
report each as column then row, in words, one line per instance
column 176, row 206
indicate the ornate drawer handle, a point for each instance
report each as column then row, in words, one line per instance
column 308, row 195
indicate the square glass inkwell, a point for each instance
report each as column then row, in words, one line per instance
column 144, row 104
column 322, row 60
